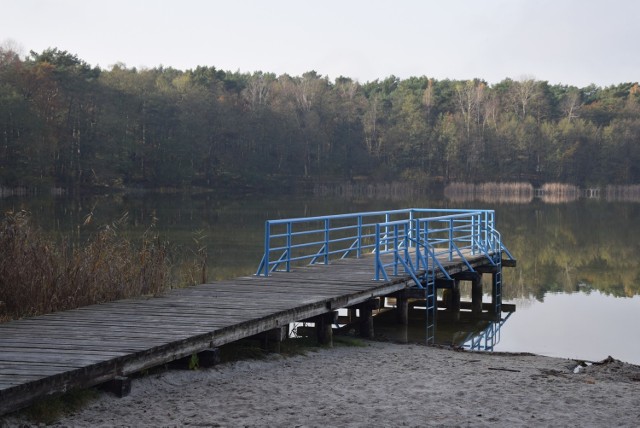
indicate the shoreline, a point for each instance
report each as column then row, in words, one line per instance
column 382, row 383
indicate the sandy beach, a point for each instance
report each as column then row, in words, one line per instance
column 381, row 384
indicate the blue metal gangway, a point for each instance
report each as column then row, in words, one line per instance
column 418, row 240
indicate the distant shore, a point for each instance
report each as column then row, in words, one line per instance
column 383, row 384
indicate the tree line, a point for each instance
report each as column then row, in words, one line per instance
column 67, row 124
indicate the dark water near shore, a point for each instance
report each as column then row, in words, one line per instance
column 576, row 287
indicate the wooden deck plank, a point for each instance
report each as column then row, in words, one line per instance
column 85, row 345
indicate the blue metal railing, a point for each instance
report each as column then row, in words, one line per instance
column 435, row 234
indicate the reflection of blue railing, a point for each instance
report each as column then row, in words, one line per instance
column 488, row 338
column 434, row 234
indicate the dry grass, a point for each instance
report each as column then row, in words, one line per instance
column 192, row 270
column 38, row 275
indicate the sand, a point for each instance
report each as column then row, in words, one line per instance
column 380, row 384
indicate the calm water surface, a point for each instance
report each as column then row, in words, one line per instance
column 576, row 287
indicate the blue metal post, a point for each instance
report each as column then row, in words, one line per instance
column 496, row 245
column 472, row 234
column 450, row 239
column 289, row 230
column 425, row 241
column 415, row 228
column 267, row 239
column 359, row 250
column 411, row 230
column 377, row 250
column 326, row 241
column 408, row 227
column 395, row 249
column 486, row 230
column 386, row 232
column 480, row 229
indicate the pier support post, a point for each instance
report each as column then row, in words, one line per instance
column 352, row 314
column 202, row 359
column 271, row 340
column 366, row 317
column 120, row 386
column 209, row 357
column 324, row 330
column 402, row 308
column 453, row 297
column 476, row 295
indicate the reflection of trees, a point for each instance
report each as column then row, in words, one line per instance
column 574, row 247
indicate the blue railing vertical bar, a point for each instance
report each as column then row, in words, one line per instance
column 359, row 239
column 288, row 246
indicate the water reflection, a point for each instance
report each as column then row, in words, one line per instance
column 579, row 325
column 461, row 330
column 582, row 246
column 488, row 338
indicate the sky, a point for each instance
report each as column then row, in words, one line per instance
column 571, row 42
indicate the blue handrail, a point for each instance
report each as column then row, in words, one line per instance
column 434, row 233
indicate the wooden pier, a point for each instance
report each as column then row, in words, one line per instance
column 95, row 344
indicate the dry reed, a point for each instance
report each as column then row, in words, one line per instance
column 557, row 193
column 12, row 191
column 359, row 191
column 512, row 193
column 550, row 193
column 38, row 275
column 629, row 193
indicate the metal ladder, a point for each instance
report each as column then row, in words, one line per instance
column 497, row 284
column 431, row 303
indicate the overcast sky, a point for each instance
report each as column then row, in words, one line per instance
column 575, row 42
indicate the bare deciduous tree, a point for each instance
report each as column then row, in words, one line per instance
column 370, row 122
column 522, row 93
column 427, row 97
column 469, row 96
column 258, row 90
column 571, row 104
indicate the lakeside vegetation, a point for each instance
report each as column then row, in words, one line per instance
column 39, row 275
column 67, row 124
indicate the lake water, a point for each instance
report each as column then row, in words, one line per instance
column 576, row 286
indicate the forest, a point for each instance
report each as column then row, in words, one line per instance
column 67, row 124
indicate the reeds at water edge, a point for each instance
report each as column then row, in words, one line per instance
column 550, row 193
column 39, row 275
column 512, row 193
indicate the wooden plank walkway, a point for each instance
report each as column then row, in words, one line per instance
column 90, row 345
